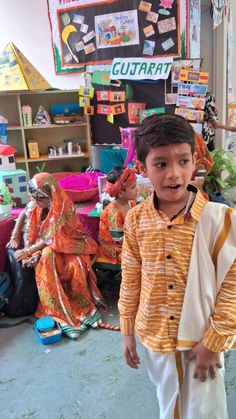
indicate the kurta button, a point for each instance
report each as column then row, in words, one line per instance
column 172, row 317
column 171, row 286
column 168, row 257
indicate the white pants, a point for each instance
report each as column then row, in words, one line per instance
column 180, row 396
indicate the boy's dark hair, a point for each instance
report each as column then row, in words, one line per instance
column 156, row 131
column 114, row 174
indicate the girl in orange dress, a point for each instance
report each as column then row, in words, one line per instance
column 121, row 185
column 56, row 244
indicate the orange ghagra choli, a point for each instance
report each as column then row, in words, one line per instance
column 64, row 276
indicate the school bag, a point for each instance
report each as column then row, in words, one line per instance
column 5, row 289
column 24, row 296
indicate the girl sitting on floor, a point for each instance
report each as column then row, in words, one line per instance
column 121, row 185
column 56, row 245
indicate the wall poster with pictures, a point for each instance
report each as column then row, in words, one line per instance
column 97, row 31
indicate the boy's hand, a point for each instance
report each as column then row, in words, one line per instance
column 129, row 351
column 207, row 362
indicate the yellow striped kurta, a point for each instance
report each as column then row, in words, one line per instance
column 155, row 261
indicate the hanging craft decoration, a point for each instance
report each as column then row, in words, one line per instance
column 94, row 32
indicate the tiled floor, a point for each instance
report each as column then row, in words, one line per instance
column 85, row 379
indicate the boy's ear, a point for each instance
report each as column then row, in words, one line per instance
column 142, row 168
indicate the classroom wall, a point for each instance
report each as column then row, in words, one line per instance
column 26, row 24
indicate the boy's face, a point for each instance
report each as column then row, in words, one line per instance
column 169, row 169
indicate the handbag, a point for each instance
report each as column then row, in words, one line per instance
column 5, row 289
column 24, row 296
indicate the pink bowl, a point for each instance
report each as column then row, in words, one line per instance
column 80, row 187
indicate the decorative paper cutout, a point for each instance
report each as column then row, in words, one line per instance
column 148, row 47
column 167, row 4
column 193, row 76
column 190, row 115
column 148, row 31
column 117, row 96
column 84, row 101
column 78, row 19
column 166, row 25
column 169, row 43
column 145, row 6
column 89, row 48
column 65, row 36
column 104, row 109
column 117, row 109
column 86, row 91
column 190, row 102
column 152, row 17
column 110, row 118
column 134, row 110
column 148, row 112
column 89, row 110
column 103, row 95
column 171, row 98
column 192, row 89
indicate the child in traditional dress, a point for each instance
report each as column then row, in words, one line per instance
column 178, row 288
column 60, row 251
column 121, row 185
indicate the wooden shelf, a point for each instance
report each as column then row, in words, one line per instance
column 14, row 128
column 76, row 124
column 20, row 159
column 44, row 157
column 46, row 135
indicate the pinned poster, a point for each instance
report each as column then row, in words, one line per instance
column 17, row 73
column 104, row 109
column 86, row 91
column 103, row 95
column 193, row 76
column 88, row 110
column 84, row 101
column 101, row 77
column 118, row 96
column 190, row 114
column 117, row 109
column 134, row 110
column 148, row 112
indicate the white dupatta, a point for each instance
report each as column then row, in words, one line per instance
column 213, row 253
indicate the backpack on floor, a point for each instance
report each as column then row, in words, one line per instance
column 5, row 289
column 24, row 296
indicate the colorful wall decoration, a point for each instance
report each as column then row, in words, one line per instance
column 97, row 31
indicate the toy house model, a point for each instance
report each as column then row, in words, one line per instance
column 16, row 179
column 7, row 159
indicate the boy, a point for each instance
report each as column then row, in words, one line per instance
column 178, row 290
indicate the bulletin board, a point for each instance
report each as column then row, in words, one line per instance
column 96, row 31
column 152, row 93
